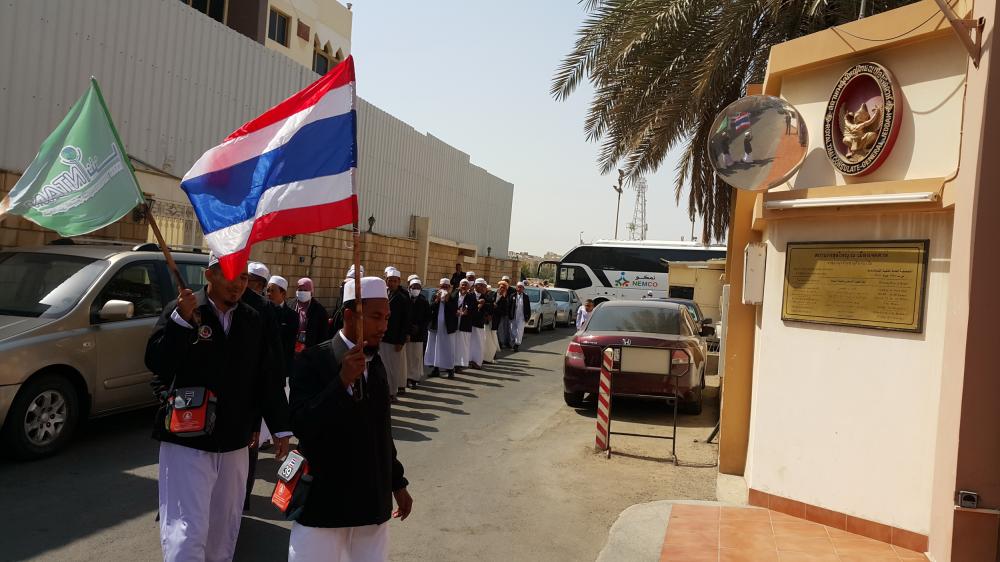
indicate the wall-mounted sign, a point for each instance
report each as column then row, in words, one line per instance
column 868, row 284
column 862, row 119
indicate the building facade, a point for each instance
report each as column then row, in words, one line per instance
column 180, row 75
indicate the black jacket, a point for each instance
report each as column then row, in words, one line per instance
column 469, row 302
column 456, row 278
column 482, row 310
column 237, row 368
column 288, row 328
column 526, row 307
column 317, row 322
column 450, row 315
column 399, row 318
column 501, row 309
column 420, row 317
column 347, row 443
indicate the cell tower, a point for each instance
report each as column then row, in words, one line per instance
column 637, row 228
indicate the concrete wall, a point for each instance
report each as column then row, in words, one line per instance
column 844, row 418
column 329, row 23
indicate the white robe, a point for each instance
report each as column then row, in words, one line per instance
column 395, row 365
column 517, row 324
column 462, row 344
column 440, row 345
column 477, row 345
column 369, row 543
column 492, row 345
column 415, row 361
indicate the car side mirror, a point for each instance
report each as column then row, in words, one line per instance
column 707, row 331
column 115, row 310
column 707, row 322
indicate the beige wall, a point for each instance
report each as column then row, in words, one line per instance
column 844, row 418
column 707, row 284
column 329, row 22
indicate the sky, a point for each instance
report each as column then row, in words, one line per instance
column 476, row 74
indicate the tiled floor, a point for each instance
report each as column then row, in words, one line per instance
column 697, row 533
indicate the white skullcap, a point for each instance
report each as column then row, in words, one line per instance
column 480, row 281
column 392, row 272
column 470, row 273
column 464, row 282
column 279, row 281
column 414, row 280
column 520, row 284
column 350, row 272
column 371, row 288
column 258, row 269
column 213, row 259
column 445, row 281
column 505, row 278
column 412, row 277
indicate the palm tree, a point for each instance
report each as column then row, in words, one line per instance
column 663, row 69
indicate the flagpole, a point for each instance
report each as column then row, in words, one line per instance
column 148, row 212
column 358, row 302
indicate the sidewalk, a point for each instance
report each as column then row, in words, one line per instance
column 692, row 531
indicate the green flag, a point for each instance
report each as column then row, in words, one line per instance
column 81, row 179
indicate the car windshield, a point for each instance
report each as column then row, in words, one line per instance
column 694, row 312
column 650, row 319
column 44, row 285
column 560, row 296
column 534, row 293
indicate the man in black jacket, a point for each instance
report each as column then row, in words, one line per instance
column 211, row 341
column 314, row 323
column 345, row 434
column 441, row 332
column 502, row 314
column 457, row 277
column 466, row 303
column 520, row 313
column 420, row 317
column 288, row 320
column 391, row 348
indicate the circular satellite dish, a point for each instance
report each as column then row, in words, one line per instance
column 757, row 143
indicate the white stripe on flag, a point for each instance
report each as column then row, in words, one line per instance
column 335, row 102
column 305, row 193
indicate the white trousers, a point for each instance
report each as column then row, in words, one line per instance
column 492, row 346
column 395, row 366
column 415, row 361
column 201, row 502
column 477, row 345
column 265, row 433
column 462, row 348
column 346, row 544
column 440, row 350
column 517, row 330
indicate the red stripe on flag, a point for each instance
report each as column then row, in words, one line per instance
column 338, row 76
column 291, row 221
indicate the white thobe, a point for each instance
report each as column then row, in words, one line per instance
column 415, row 361
column 477, row 345
column 440, row 345
column 492, row 345
column 395, row 365
column 369, row 543
column 581, row 317
column 517, row 323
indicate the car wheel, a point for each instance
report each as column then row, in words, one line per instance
column 538, row 326
column 693, row 407
column 42, row 418
column 554, row 322
column 573, row 399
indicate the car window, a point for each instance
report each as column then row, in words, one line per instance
column 193, row 275
column 137, row 283
column 560, row 296
column 43, row 285
column 652, row 319
column 572, row 277
column 694, row 312
column 687, row 326
column 534, row 293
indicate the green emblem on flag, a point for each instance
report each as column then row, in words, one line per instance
column 81, row 179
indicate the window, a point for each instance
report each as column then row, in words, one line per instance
column 679, row 292
column 560, row 296
column 534, row 294
column 277, row 27
column 44, row 285
column 193, row 275
column 215, row 9
column 649, row 319
column 137, row 283
column 321, row 63
column 572, row 277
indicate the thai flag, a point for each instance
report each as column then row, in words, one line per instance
column 289, row 171
column 741, row 121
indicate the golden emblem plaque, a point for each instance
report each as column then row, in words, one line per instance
column 879, row 285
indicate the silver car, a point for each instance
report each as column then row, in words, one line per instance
column 567, row 305
column 543, row 309
column 74, row 320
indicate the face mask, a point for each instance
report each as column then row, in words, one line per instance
column 303, row 296
column 414, row 292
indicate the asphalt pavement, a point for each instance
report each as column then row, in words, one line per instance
column 499, row 469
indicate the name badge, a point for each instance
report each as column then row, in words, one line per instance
column 205, row 332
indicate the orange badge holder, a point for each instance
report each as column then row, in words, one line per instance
column 293, row 484
column 191, row 411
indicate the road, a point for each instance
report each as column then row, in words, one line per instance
column 499, row 468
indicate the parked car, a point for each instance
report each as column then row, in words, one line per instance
column 74, row 320
column 647, row 323
column 567, row 303
column 543, row 309
column 696, row 314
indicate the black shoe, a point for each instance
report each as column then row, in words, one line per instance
column 517, row 348
column 401, row 392
column 436, row 372
column 411, row 383
column 451, row 374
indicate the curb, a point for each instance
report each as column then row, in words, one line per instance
column 637, row 535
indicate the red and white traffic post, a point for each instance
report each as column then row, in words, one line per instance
column 604, row 403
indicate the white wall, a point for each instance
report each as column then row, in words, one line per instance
column 845, row 418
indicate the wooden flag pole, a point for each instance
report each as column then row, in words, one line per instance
column 359, row 336
column 163, row 247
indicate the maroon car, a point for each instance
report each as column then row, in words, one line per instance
column 647, row 323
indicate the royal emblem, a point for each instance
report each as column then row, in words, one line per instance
column 205, row 332
column 862, row 119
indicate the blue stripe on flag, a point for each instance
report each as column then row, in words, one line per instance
column 229, row 196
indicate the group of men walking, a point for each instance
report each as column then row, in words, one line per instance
column 220, row 359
